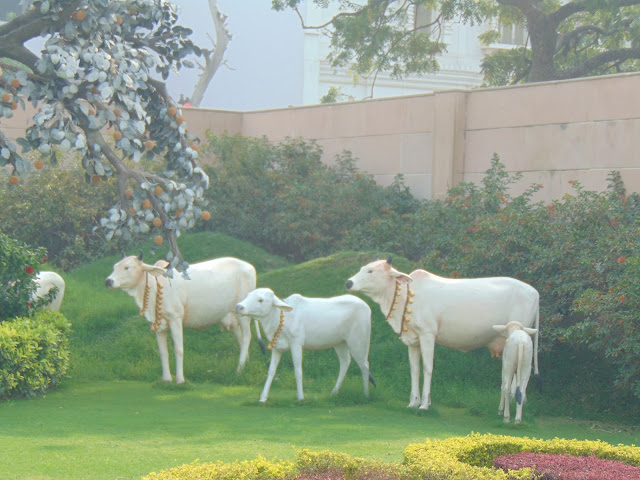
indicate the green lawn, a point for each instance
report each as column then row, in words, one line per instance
column 113, row 419
column 124, row 430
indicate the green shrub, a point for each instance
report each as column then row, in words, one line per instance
column 18, row 267
column 457, row 458
column 56, row 209
column 285, row 199
column 34, row 354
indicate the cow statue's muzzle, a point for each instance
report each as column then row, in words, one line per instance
column 108, row 283
column 349, row 284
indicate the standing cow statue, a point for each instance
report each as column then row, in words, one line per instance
column 207, row 298
column 516, row 366
column 45, row 281
column 424, row 309
column 299, row 323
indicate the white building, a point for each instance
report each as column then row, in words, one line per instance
column 278, row 64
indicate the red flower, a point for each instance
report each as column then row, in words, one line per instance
column 622, row 259
column 29, row 270
column 44, row 260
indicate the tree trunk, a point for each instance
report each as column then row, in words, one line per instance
column 543, row 47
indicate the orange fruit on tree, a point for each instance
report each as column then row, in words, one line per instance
column 95, row 179
column 7, row 97
column 132, row 210
column 205, row 215
column 13, row 180
column 158, row 190
column 178, row 212
column 158, row 240
column 119, row 20
column 117, row 112
column 38, row 164
column 15, row 83
column 13, row 106
column 157, row 222
column 149, row 144
column 117, row 135
column 80, row 15
column 128, row 193
column 173, row 111
column 146, row 204
column 180, row 120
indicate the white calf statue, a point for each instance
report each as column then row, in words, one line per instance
column 46, row 281
column 424, row 309
column 207, row 298
column 299, row 323
column 516, row 366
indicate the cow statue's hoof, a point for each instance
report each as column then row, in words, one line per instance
column 423, row 407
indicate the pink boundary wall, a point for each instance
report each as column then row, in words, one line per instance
column 551, row 132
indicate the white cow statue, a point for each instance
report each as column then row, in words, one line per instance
column 299, row 323
column 46, row 281
column 208, row 297
column 516, row 366
column 424, row 309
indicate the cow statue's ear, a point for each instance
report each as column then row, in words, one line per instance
column 281, row 305
column 402, row 277
column 377, row 258
column 123, row 254
column 389, row 260
column 530, row 331
column 141, row 255
column 500, row 328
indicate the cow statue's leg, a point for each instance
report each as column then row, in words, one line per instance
column 296, row 357
column 242, row 330
column 360, row 353
column 507, row 378
column 161, row 338
column 427, row 347
column 178, row 347
column 414, row 366
column 276, row 355
column 342, row 350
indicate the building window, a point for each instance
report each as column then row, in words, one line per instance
column 9, row 9
column 513, row 34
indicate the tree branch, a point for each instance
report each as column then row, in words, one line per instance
column 212, row 61
column 571, row 8
column 618, row 55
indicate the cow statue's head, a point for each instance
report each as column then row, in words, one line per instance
column 260, row 302
column 130, row 272
column 376, row 277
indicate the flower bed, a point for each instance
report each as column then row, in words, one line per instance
column 568, row 467
column 457, row 458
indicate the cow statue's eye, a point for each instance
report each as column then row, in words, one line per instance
column 260, row 300
column 370, row 271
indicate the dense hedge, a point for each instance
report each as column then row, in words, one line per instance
column 458, row 458
column 285, row 199
column 56, row 209
column 34, row 354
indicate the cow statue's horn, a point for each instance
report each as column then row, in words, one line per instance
column 377, row 258
column 141, row 255
column 389, row 260
column 123, row 254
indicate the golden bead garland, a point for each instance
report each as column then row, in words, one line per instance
column 159, row 299
column 405, row 317
column 273, row 341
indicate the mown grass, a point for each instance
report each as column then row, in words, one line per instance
column 114, row 419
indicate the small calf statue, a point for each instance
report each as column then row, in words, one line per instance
column 299, row 323
column 516, row 366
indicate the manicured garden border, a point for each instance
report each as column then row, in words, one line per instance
column 457, row 458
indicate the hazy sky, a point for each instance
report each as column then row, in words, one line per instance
column 265, row 53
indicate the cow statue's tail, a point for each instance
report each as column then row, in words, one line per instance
column 535, row 352
column 519, row 374
column 260, row 342
column 372, row 380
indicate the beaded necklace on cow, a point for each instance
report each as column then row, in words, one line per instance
column 273, row 341
column 145, row 303
column 405, row 318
